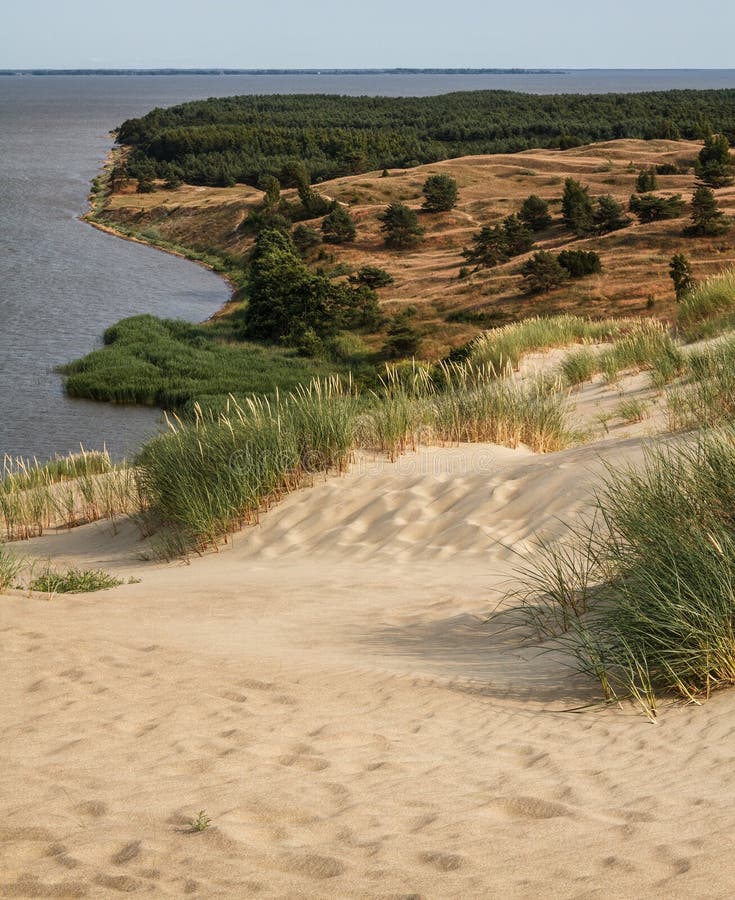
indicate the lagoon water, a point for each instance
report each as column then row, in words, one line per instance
column 62, row 282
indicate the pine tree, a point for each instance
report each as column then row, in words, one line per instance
column 608, row 215
column 271, row 187
column 535, row 213
column 681, row 274
column 440, row 193
column 401, row 227
column 577, row 207
column 517, row 237
column 646, row 181
column 714, row 165
column 707, row 218
column 543, row 272
column 338, row 226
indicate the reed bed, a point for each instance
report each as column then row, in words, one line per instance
column 647, row 599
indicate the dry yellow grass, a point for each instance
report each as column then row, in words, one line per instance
column 635, row 260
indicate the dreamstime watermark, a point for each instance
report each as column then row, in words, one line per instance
column 433, row 461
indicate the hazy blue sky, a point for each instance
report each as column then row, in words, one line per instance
column 371, row 33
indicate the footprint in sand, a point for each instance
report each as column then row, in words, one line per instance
column 122, row 883
column 126, row 853
column 60, row 854
column 444, row 862
column 304, row 761
column 94, row 808
column 534, row 808
column 314, row 865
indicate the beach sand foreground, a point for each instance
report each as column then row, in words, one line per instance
column 329, row 690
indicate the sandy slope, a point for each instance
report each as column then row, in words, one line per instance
column 329, row 690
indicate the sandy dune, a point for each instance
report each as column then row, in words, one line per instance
column 328, row 689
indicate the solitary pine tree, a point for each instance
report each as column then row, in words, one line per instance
column 440, row 193
column 707, row 219
column 401, row 227
column 338, row 226
column 681, row 274
column 577, row 208
column 646, row 181
column 714, row 165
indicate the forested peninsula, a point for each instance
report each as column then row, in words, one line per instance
column 229, row 140
column 398, row 258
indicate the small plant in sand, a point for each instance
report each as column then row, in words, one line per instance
column 200, row 822
column 10, row 566
column 73, row 581
column 632, row 410
column 579, row 366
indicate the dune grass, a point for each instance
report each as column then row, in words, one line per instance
column 208, row 477
column 647, row 600
column 21, row 474
column 10, row 567
column 645, row 346
column 506, row 346
column 706, row 395
column 709, row 308
column 68, row 491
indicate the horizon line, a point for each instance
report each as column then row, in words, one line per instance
column 326, row 70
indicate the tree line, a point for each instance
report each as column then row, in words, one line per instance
column 232, row 140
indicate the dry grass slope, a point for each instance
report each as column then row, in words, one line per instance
column 635, row 260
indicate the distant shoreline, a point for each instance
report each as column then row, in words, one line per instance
column 215, row 71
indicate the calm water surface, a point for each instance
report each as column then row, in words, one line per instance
column 62, row 282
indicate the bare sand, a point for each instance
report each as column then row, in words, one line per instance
column 329, row 690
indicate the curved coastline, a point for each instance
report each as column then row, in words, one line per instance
column 98, row 203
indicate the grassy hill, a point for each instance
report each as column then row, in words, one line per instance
column 450, row 310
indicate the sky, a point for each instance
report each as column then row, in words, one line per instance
column 251, row 34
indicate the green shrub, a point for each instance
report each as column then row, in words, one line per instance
column 73, row 581
column 580, row 263
column 650, row 208
column 372, row 276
